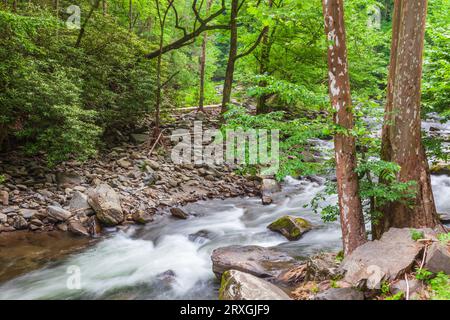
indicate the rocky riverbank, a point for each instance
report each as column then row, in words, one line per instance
column 123, row 185
column 401, row 265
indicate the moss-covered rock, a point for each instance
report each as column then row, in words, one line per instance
column 291, row 227
column 440, row 168
column 237, row 285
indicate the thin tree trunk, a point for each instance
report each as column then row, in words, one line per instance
column 261, row 106
column 401, row 136
column 14, row 7
column 104, row 7
column 130, row 14
column 86, row 21
column 201, row 99
column 351, row 216
column 228, row 83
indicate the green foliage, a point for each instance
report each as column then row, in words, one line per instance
column 423, row 274
column 2, row 178
column 444, row 238
column 440, row 286
column 416, row 235
column 398, row 296
column 385, row 288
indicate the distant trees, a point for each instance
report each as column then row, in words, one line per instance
column 351, row 215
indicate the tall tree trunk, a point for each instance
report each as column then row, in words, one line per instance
column 130, row 15
column 201, row 99
column 14, row 6
column 104, row 7
column 351, row 216
column 228, row 83
column 401, row 134
column 261, row 106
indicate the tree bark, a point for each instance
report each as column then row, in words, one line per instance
column 201, row 99
column 401, row 133
column 351, row 216
column 130, row 15
column 86, row 21
column 229, row 74
column 104, row 7
column 261, row 106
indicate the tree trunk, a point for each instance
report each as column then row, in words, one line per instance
column 261, row 106
column 201, row 99
column 14, row 6
column 130, row 14
column 351, row 216
column 228, row 83
column 401, row 134
column 86, row 21
column 104, row 7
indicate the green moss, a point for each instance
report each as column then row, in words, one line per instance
column 224, row 284
column 291, row 227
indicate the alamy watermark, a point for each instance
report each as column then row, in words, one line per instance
column 231, row 146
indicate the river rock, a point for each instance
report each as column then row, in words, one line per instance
column 268, row 187
column 340, row 294
column 19, row 223
column 4, row 198
column 28, row 213
column 68, row 179
column 414, row 285
column 259, row 261
column 237, row 285
column 106, row 203
column 77, row 228
column 381, row 260
column 139, row 137
column 142, row 217
column 79, row 204
column 124, row 163
column 178, row 213
column 438, row 258
column 291, row 227
column 3, row 218
column 444, row 217
column 58, row 213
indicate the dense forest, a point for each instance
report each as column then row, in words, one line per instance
column 359, row 91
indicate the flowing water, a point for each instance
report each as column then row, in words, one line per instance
column 168, row 259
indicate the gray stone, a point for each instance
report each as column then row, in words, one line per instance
column 3, row 218
column 139, row 137
column 400, row 286
column 438, row 258
column 68, row 179
column 19, row 223
column 28, row 213
column 340, row 294
column 178, row 213
column 106, row 203
column 58, row 213
column 124, row 163
column 79, row 204
column 142, row 217
column 291, row 227
column 77, row 228
column 237, row 285
column 259, row 261
column 269, row 186
column 4, row 198
column 381, row 260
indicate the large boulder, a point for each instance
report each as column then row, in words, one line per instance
column 381, row 260
column 106, row 204
column 438, row 258
column 237, row 285
column 340, row 294
column 291, row 227
column 259, row 261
